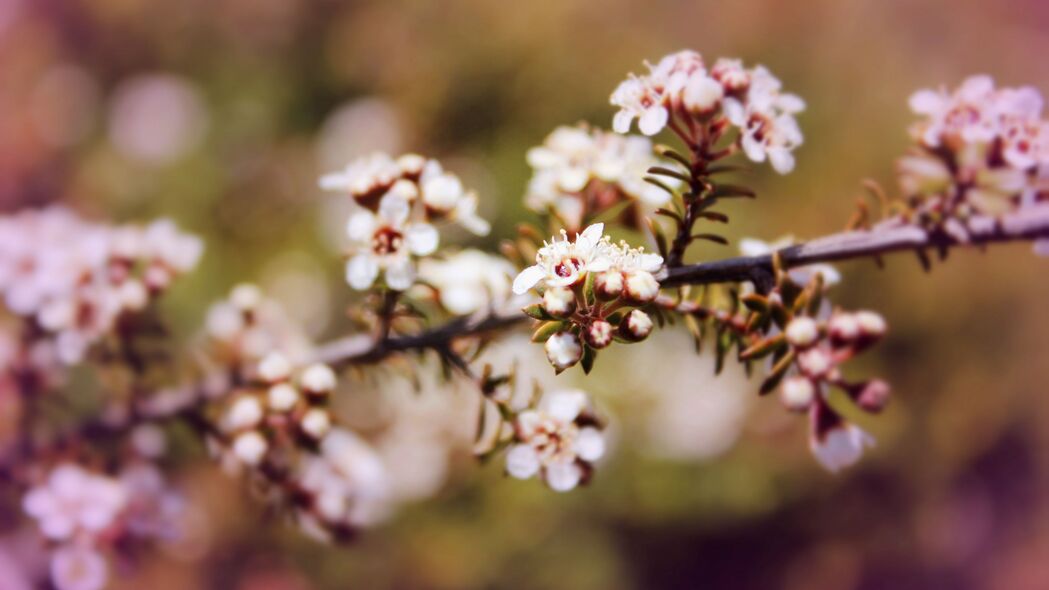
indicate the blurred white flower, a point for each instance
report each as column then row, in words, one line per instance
column 555, row 442
column 386, row 241
column 800, row 275
column 841, row 446
column 74, row 499
column 469, row 281
column 78, row 567
column 156, row 118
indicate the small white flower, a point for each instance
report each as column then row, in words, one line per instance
column 77, row 567
column 552, row 444
column 563, row 263
column 73, row 499
column 841, row 446
column 469, row 281
column 386, row 241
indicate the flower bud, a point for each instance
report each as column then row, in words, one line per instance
column 797, row 393
column 599, row 334
column 250, row 447
column 872, row 325
column 282, row 397
column 802, row 332
column 874, row 396
column 608, row 285
column 318, row 379
column 563, row 350
column 815, row 362
column 245, row 412
column 559, row 302
column 316, row 422
column 274, row 367
column 246, row 297
column 636, row 326
column 843, row 328
column 133, row 295
column 641, row 287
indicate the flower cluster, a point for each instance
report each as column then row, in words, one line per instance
column 978, row 146
column 588, row 286
column 580, row 172
column 558, row 440
column 818, row 348
column 468, row 281
column 84, row 512
column 246, row 326
column 397, row 203
column 681, row 87
column 73, row 279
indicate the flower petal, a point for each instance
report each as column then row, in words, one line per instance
column 528, row 279
column 361, row 271
column 400, row 275
column 522, row 461
column 422, row 239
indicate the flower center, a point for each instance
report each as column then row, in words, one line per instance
column 387, row 241
column 568, row 267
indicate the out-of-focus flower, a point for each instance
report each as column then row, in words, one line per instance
column 74, row 499
column 579, row 172
column 559, row 441
column 79, row 567
column 399, row 201
column 468, row 281
column 752, row 100
column 840, row 446
column 156, row 118
column 359, row 127
column 563, row 263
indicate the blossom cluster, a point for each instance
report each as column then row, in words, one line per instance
column 589, row 286
column 397, row 203
column 73, row 279
column 819, row 347
column 680, row 87
column 580, row 172
column 980, row 146
column 558, row 440
column 85, row 512
column 468, row 281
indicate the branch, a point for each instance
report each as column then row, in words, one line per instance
column 894, row 235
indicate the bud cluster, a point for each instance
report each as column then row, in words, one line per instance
column 580, row 172
column 73, row 279
column 592, row 294
column 396, row 206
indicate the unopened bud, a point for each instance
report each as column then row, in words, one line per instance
column 802, row 332
column 246, row 297
column 559, row 302
column 874, row 396
column 318, row 379
column 599, row 334
column 563, row 350
column 608, row 285
column 636, row 326
column 872, row 325
column 250, row 447
column 641, row 287
column 844, row 328
column 797, row 393
column 245, row 412
column 316, row 422
column 815, row 362
column 274, row 367
column 282, row 397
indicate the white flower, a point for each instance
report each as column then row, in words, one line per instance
column 572, row 159
column 561, row 263
column 552, row 443
column 386, row 241
column 366, row 178
column 765, row 119
column 77, row 567
column 676, row 81
column 469, row 280
column 800, row 275
column 841, row 446
column 73, row 499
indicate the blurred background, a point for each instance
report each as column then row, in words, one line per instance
column 222, row 113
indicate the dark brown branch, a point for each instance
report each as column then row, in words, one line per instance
column 890, row 236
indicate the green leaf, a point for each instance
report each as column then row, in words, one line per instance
column 723, row 191
column 712, row 238
column 763, row 347
column 661, row 184
column 536, row 311
column 661, row 171
column 779, row 370
column 546, row 330
column 587, row 362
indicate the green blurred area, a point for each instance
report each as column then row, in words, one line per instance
column 956, row 493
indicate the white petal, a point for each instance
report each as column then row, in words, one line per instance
column 653, row 120
column 841, row 447
column 361, row 226
column 754, row 247
column 422, row 239
column 734, row 112
column 650, row 262
column 528, row 279
column 781, row 159
column 563, row 476
column 591, row 235
column 522, row 461
column 336, row 181
column 754, row 149
column 361, row 271
column 394, row 209
column 590, row 444
column 622, row 120
column 925, row 102
column 400, row 275
column 564, row 405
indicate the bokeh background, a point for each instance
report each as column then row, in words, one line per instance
column 222, row 113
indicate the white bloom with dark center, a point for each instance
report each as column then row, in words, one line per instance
column 765, row 119
column 841, row 446
column 386, row 241
column 552, row 444
column 563, row 263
